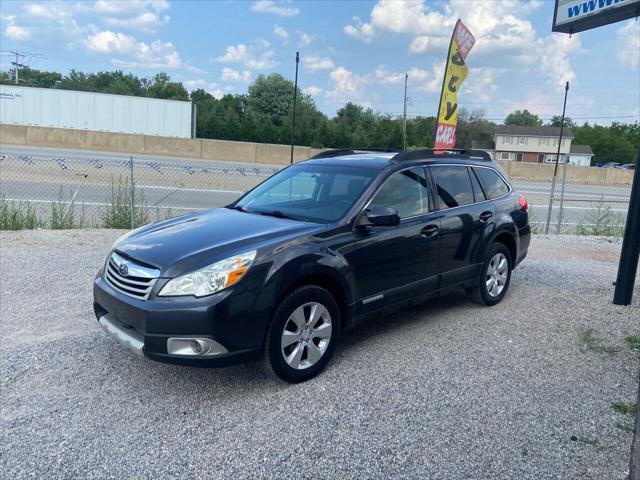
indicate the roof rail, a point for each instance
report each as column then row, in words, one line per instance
column 339, row 152
column 429, row 152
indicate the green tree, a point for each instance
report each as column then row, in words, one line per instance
column 161, row 86
column 523, row 118
column 556, row 121
column 29, row 77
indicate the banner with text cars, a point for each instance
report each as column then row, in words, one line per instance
column 454, row 74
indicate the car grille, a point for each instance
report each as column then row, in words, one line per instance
column 129, row 277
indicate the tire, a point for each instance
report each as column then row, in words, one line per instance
column 489, row 292
column 302, row 335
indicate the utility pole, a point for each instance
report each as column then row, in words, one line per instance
column 555, row 170
column 295, row 96
column 17, row 65
column 404, row 115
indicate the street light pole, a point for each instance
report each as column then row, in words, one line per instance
column 295, row 97
column 630, row 244
column 404, row 115
column 555, row 170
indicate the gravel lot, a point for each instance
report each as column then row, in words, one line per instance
column 446, row 390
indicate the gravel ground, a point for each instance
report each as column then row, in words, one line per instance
column 446, row 390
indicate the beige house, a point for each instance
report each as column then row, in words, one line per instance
column 531, row 144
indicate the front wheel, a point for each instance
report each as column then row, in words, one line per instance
column 303, row 334
column 494, row 278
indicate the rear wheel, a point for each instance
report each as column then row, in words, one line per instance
column 494, row 278
column 303, row 334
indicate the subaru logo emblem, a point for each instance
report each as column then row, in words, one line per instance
column 124, row 270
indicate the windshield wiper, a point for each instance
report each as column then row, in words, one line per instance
column 276, row 213
column 235, row 207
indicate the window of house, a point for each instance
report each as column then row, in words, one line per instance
column 454, row 186
column 494, row 185
column 522, row 140
column 507, row 139
column 518, row 157
column 405, row 191
column 504, row 156
column 544, row 141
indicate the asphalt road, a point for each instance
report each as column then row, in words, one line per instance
column 445, row 390
column 172, row 185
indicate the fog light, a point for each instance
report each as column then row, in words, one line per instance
column 202, row 347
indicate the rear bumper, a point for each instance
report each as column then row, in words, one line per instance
column 145, row 327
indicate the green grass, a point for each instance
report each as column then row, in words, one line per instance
column 63, row 215
column 624, row 427
column 602, row 222
column 626, row 408
column 118, row 214
column 592, row 343
column 633, row 342
column 21, row 216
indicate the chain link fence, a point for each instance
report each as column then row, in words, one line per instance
column 75, row 191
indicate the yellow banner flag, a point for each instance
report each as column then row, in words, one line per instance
column 455, row 72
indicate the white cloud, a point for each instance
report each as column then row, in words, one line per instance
column 231, row 75
column 305, row 39
column 416, row 76
column 312, row 90
column 211, row 88
column 131, row 53
column 16, row 32
column 480, row 85
column 385, row 77
column 347, row 86
column 235, row 54
column 281, row 33
column 315, row 63
column 256, row 57
column 503, row 34
column 141, row 15
column 277, row 8
column 628, row 44
column 361, row 31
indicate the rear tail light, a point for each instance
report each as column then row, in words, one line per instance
column 523, row 203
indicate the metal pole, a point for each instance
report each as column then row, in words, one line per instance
column 75, row 194
column 555, row 170
column 630, row 244
column 404, row 115
column 295, row 96
column 133, row 194
column 564, row 180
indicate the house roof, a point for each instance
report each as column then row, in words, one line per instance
column 533, row 131
column 581, row 149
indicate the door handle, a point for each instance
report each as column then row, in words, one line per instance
column 429, row 230
column 485, row 216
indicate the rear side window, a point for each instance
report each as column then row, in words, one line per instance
column 493, row 183
column 454, row 186
column 405, row 191
column 477, row 189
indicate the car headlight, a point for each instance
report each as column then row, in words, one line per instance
column 210, row 279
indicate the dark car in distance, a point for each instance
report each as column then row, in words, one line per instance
column 315, row 249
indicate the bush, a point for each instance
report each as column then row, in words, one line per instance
column 118, row 214
column 20, row 217
column 63, row 215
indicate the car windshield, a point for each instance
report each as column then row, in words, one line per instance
column 316, row 193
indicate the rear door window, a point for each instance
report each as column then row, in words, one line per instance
column 493, row 183
column 477, row 189
column 454, row 186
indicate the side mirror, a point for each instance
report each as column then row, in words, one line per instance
column 383, row 216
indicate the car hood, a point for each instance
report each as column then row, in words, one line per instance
column 193, row 241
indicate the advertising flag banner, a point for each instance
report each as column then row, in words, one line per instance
column 455, row 72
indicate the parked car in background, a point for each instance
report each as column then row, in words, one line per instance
column 611, row 165
column 317, row 248
column 628, row 166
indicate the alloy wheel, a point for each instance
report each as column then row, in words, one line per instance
column 497, row 274
column 306, row 335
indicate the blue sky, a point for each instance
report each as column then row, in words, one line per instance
column 350, row 50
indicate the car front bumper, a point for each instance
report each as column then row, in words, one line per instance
column 157, row 328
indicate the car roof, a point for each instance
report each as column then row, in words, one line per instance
column 380, row 161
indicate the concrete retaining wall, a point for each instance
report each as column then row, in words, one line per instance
column 247, row 152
